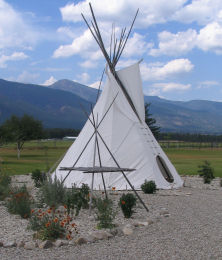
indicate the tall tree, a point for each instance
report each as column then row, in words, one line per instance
column 20, row 130
column 151, row 121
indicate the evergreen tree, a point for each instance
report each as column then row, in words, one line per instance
column 151, row 121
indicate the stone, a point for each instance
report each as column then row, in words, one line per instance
column 90, row 238
column 141, row 224
column 58, row 243
column 164, row 212
column 9, row 244
column 46, row 244
column 30, row 245
column 166, row 215
column 80, row 241
column 1, row 244
column 21, row 244
column 100, row 235
column 150, row 221
column 127, row 230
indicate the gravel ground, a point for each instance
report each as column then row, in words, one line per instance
column 192, row 231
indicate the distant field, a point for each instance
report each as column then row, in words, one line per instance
column 43, row 155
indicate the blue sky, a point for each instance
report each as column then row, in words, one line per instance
column 180, row 42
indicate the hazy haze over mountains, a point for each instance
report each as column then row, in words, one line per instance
column 58, row 105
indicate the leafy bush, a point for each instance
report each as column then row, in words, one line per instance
column 39, row 177
column 50, row 224
column 77, row 198
column 127, row 202
column 148, row 187
column 207, row 172
column 105, row 213
column 19, row 202
column 5, row 181
column 52, row 192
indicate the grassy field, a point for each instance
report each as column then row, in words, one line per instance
column 43, row 155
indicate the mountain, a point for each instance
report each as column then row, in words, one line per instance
column 55, row 108
column 58, row 105
column 87, row 93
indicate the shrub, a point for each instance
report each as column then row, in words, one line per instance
column 105, row 213
column 52, row 192
column 38, row 177
column 148, row 187
column 207, row 172
column 19, row 202
column 50, row 224
column 127, row 202
column 5, row 181
column 77, row 198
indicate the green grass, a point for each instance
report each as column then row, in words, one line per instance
column 186, row 161
column 43, row 155
column 35, row 155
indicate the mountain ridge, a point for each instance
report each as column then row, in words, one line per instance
column 58, row 105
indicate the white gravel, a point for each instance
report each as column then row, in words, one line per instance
column 193, row 229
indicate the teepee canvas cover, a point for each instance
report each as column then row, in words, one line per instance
column 126, row 134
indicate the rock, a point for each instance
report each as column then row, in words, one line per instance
column 80, row 241
column 1, row 244
column 58, row 243
column 150, row 221
column 21, row 244
column 29, row 245
column 100, row 235
column 166, row 215
column 46, row 244
column 90, row 238
column 164, row 212
column 141, row 224
column 127, row 230
column 9, row 244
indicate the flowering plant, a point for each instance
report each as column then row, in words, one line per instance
column 50, row 224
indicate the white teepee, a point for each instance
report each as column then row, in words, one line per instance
column 124, row 131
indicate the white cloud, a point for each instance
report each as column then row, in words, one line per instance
column 175, row 44
column 89, row 64
column 210, row 38
column 208, row 84
column 13, row 57
column 151, row 12
column 49, row 81
column 67, row 31
column 171, row 86
column 84, row 78
column 95, row 85
column 136, row 46
column 14, row 31
column 200, row 11
column 160, row 71
column 80, row 45
column 27, row 77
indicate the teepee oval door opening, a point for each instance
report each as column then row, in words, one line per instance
column 164, row 169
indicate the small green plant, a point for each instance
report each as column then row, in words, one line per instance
column 19, row 202
column 77, row 198
column 52, row 192
column 221, row 182
column 105, row 213
column 206, row 171
column 148, row 187
column 5, row 181
column 39, row 177
column 51, row 224
column 127, row 202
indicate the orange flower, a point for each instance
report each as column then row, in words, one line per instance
column 32, row 211
column 68, row 237
column 64, row 221
column 62, row 224
column 65, row 206
column 49, row 211
column 113, row 188
column 56, row 220
column 123, row 202
column 47, row 224
column 73, row 224
column 39, row 210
